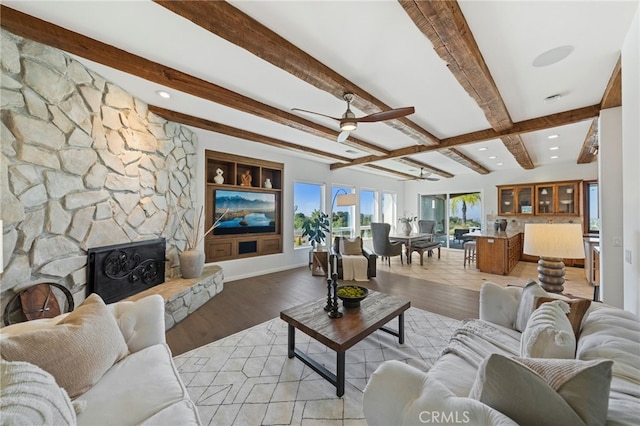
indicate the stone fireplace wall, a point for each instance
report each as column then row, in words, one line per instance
column 83, row 164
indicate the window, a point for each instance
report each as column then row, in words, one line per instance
column 388, row 209
column 307, row 197
column 342, row 222
column 451, row 212
column 591, row 210
column 367, row 212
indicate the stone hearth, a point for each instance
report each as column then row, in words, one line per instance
column 183, row 296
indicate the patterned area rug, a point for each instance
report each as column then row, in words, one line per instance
column 247, row 379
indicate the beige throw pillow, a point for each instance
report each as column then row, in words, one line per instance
column 351, row 247
column 76, row 351
column 549, row 333
column 545, row 391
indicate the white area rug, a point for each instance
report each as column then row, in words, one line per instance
column 247, row 379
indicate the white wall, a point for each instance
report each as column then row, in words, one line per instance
column 294, row 169
column 610, row 200
column 630, row 162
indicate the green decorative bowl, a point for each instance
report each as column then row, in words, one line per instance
column 351, row 295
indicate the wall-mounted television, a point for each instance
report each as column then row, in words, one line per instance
column 249, row 212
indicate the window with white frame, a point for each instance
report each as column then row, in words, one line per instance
column 368, row 211
column 307, row 197
column 388, row 209
column 342, row 217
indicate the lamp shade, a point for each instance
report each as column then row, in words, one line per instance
column 346, row 200
column 557, row 240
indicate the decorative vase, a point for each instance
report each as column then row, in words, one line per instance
column 406, row 228
column 191, row 263
column 500, row 225
column 219, row 179
column 267, row 183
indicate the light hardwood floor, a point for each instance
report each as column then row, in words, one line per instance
column 442, row 286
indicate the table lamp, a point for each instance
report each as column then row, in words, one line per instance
column 553, row 242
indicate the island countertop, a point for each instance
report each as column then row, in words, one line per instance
column 495, row 234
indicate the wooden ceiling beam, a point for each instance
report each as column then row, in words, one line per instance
column 589, row 149
column 405, row 176
column 415, row 163
column 444, row 24
column 235, row 26
column 532, row 125
column 212, row 126
column 613, row 93
column 52, row 35
column 458, row 156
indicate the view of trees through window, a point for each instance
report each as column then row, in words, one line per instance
column 307, row 198
column 367, row 211
column 341, row 216
column 451, row 212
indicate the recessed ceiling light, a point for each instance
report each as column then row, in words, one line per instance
column 493, row 157
column 552, row 136
column 553, row 157
column 499, row 164
column 554, row 148
column 484, row 148
column 552, row 56
column 163, row 94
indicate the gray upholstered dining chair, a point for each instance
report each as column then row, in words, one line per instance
column 426, row 226
column 382, row 246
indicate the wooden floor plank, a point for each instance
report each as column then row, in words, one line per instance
column 251, row 301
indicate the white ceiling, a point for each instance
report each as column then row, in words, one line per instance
column 375, row 45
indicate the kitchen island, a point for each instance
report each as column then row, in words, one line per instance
column 497, row 252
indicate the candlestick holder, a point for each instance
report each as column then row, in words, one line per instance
column 327, row 307
column 334, row 312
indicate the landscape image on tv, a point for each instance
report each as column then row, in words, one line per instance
column 249, row 212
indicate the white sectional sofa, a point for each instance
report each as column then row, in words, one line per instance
column 143, row 387
column 449, row 393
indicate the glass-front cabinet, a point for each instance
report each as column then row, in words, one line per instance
column 544, row 196
column 544, row 199
column 558, row 199
column 515, row 200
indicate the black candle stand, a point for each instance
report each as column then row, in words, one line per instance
column 333, row 288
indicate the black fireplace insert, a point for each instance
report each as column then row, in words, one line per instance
column 117, row 271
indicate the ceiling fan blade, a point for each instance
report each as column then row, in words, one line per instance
column 343, row 136
column 316, row 113
column 386, row 115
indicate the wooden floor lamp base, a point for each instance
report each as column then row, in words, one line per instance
column 551, row 274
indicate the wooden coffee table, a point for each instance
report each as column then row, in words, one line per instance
column 340, row 334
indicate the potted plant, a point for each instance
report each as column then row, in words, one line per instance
column 406, row 224
column 316, row 228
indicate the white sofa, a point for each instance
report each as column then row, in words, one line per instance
column 142, row 388
column 403, row 395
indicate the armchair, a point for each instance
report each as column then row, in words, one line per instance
column 382, row 246
column 334, row 252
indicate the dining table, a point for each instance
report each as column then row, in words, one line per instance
column 407, row 240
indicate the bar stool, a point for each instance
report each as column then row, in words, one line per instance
column 469, row 252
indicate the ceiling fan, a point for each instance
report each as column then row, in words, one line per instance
column 425, row 176
column 349, row 122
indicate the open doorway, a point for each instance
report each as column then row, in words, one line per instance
column 455, row 215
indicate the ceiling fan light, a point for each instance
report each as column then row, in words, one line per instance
column 348, row 126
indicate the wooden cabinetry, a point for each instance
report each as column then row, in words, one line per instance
column 513, row 200
column 499, row 253
column 252, row 191
column 541, row 199
column 558, row 199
